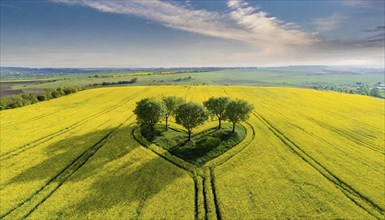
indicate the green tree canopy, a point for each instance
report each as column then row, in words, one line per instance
column 375, row 92
column 190, row 115
column 149, row 111
column 171, row 104
column 238, row 110
column 217, row 107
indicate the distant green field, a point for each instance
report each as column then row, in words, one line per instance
column 297, row 77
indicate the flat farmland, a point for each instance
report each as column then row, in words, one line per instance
column 7, row 87
column 306, row 154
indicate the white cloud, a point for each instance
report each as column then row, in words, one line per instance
column 234, row 4
column 261, row 39
column 329, row 23
column 251, row 25
column 267, row 29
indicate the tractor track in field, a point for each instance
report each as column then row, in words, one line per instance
column 169, row 159
column 196, row 200
column 239, row 149
column 55, row 112
column 42, row 140
column 202, row 175
column 326, row 126
column 227, row 93
column 352, row 119
column 346, row 135
column 343, row 134
column 187, row 93
column 207, row 91
column 192, row 173
column 205, row 200
column 26, row 207
column 214, row 193
column 321, row 138
column 330, row 128
column 360, row 200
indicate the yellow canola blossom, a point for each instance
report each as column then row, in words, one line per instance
column 307, row 154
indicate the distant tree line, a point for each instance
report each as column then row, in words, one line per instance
column 15, row 101
column 131, row 81
column 183, row 79
column 150, row 111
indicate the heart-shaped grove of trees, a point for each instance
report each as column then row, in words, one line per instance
column 201, row 147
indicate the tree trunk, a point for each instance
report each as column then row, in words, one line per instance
column 220, row 123
column 152, row 127
column 234, row 127
column 189, row 135
column 166, row 123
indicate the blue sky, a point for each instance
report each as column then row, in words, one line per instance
column 171, row 33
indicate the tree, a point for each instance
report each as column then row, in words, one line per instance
column 55, row 94
column 48, row 94
column 364, row 90
column 149, row 111
column 40, row 98
column 217, row 107
column 190, row 115
column 134, row 80
column 171, row 104
column 238, row 110
column 375, row 92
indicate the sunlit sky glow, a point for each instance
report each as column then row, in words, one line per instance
column 170, row 33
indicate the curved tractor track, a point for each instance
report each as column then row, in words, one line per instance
column 42, row 140
column 352, row 194
column 206, row 197
column 355, row 196
column 26, row 207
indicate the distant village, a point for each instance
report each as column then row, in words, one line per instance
column 375, row 90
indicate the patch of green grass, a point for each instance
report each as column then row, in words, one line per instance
column 166, row 139
column 203, row 146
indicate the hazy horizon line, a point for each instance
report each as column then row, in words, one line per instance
column 181, row 67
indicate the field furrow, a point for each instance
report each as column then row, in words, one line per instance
column 57, row 111
column 24, row 209
column 319, row 134
column 119, row 183
column 362, row 141
column 68, row 127
column 362, row 201
column 347, row 159
column 37, row 142
column 215, row 199
column 58, row 150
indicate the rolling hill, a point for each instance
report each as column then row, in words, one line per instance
column 306, row 154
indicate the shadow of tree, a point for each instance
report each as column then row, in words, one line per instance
column 66, row 151
column 128, row 188
column 122, row 174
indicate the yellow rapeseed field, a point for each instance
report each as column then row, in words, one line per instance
column 307, row 154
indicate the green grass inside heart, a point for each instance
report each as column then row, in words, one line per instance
column 203, row 147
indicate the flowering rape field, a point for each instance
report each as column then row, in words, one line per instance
column 306, row 154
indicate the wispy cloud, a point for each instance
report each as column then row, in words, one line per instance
column 243, row 23
column 265, row 28
column 264, row 38
column 3, row 5
column 367, row 4
column 378, row 37
column 376, row 29
column 329, row 23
